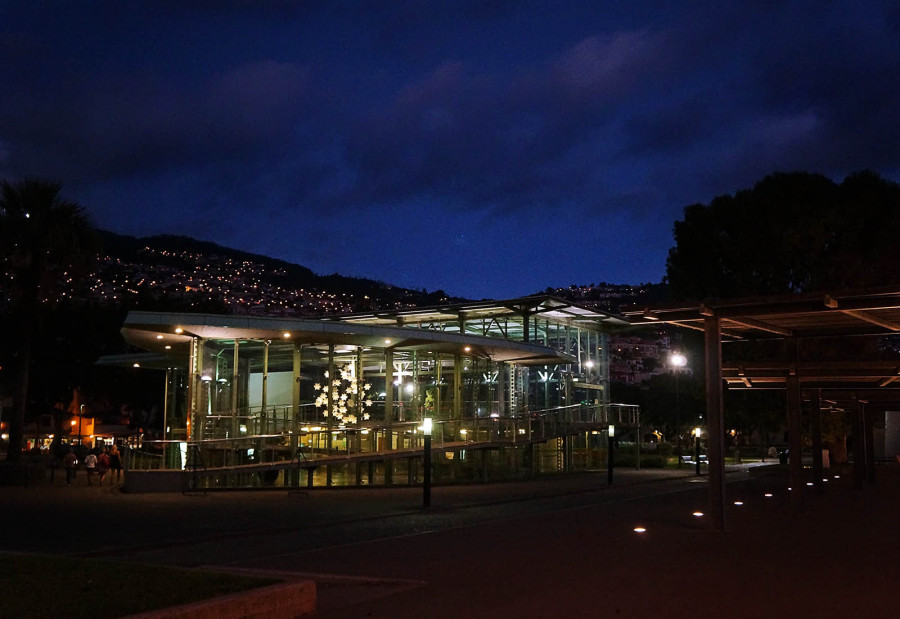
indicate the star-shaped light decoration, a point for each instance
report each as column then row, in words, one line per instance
column 348, row 395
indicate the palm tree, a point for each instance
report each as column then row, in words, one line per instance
column 44, row 239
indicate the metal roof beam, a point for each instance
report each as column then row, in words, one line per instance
column 762, row 326
column 892, row 326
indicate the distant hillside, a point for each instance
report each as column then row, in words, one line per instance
column 182, row 251
column 612, row 297
column 179, row 272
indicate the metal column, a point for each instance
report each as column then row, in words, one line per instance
column 265, row 387
column 330, row 403
column 295, row 391
column 457, row 386
column 388, row 413
column 437, row 386
column 502, row 369
column 869, row 433
column 715, row 417
column 816, row 418
column 857, row 419
column 195, row 395
column 234, row 397
column 795, row 444
column 388, row 398
column 295, row 407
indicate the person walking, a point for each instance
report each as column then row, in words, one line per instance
column 102, row 465
column 115, row 463
column 69, row 462
column 90, row 463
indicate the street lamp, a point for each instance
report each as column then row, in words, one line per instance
column 677, row 361
column 610, row 434
column 80, row 416
column 696, row 433
column 426, row 462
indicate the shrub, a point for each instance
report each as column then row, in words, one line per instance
column 650, row 461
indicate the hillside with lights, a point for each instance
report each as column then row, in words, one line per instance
column 182, row 274
column 176, row 273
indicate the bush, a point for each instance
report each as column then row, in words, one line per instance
column 664, row 449
column 650, row 461
column 653, row 461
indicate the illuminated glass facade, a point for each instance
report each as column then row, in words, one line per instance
column 246, row 391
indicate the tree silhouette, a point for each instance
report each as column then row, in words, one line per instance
column 44, row 241
column 790, row 233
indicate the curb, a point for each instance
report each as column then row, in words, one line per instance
column 279, row 601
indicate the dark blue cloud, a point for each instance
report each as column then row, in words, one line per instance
column 423, row 142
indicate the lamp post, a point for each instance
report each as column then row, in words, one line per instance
column 80, row 416
column 696, row 433
column 677, row 361
column 426, row 463
column 610, row 435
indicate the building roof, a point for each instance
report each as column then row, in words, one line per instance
column 543, row 306
column 154, row 331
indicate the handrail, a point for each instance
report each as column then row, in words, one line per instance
column 522, row 427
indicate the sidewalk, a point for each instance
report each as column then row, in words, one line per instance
column 835, row 560
column 110, row 518
column 549, row 547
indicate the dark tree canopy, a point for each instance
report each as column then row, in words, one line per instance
column 44, row 240
column 791, row 233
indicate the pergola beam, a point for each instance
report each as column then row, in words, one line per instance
column 762, row 326
column 871, row 312
column 859, row 315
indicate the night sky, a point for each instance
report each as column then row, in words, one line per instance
column 489, row 149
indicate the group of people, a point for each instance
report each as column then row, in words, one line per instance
column 108, row 459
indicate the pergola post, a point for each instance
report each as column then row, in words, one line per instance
column 869, row 433
column 715, row 419
column 795, row 445
column 857, row 419
column 816, row 418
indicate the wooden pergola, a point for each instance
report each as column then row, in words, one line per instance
column 850, row 382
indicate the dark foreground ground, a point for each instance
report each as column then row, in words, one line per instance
column 564, row 547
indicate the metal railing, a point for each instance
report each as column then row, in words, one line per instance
column 269, row 437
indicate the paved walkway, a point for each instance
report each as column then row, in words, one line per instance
column 555, row 547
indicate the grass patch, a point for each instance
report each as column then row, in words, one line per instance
column 50, row 586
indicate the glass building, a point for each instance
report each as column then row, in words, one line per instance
column 341, row 400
